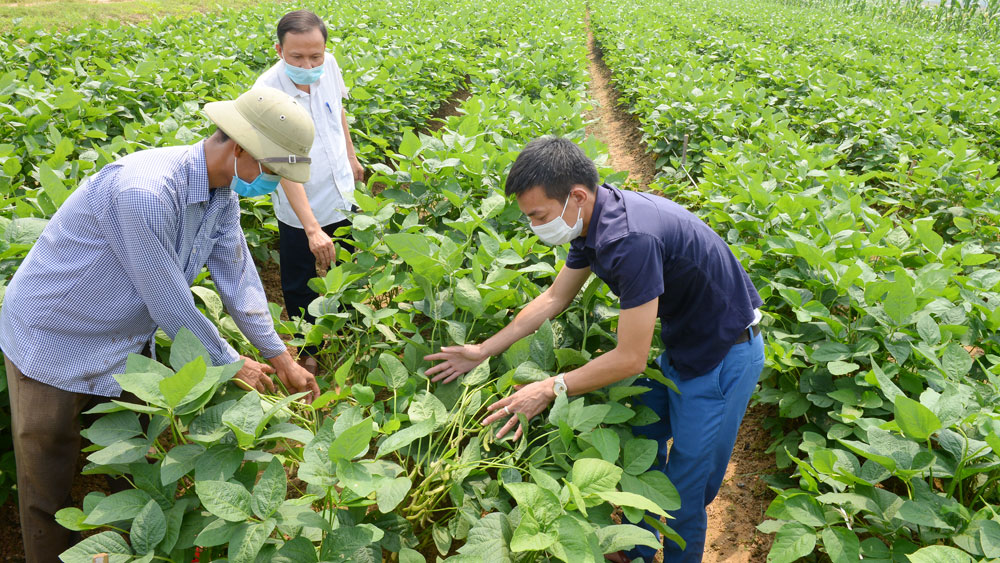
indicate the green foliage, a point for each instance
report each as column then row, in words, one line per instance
column 850, row 165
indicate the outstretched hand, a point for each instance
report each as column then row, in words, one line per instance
column 529, row 400
column 455, row 361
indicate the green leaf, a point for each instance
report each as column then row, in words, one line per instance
column 631, row 500
column 124, row 505
column 405, row 436
column 593, row 476
column 489, row 539
column 468, row 298
column 529, row 537
column 218, row 463
column 270, row 491
column 52, row 185
column 915, row 420
column 113, row 428
column 939, row 554
column 148, row 528
column 900, row 302
column 540, row 503
column 185, row 348
column 655, row 486
column 72, row 518
column 123, row 452
column 956, row 360
column 105, row 542
column 144, row 385
column 243, row 418
column 179, row 461
column 248, row 540
column 529, row 372
column 576, row 543
column 842, row 545
column 352, row 442
column 177, row 386
column 390, row 492
column 542, row 344
column 417, row 252
column 218, row 532
column 606, row 442
column 479, row 375
column 625, row 536
column 842, row 368
column 638, row 455
column 229, row 501
column 927, row 236
column 792, row 542
column 394, row 369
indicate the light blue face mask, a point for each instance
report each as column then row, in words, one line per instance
column 263, row 184
column 303, row 75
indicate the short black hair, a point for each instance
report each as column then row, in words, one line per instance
column 554, row 163
column 219, row 135
column 299, row 21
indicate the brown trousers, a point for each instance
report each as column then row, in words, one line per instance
column 46, row 425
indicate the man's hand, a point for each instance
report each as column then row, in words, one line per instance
column 255, row 375
column 321, row 245
column 530, row 400
column 455, row 361
column 357, row 169
column 294, row 376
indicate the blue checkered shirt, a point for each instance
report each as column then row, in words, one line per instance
column 118, row 259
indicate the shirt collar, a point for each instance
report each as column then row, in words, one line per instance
column 600, row 195
column 197, row 174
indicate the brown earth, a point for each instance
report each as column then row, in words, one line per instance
column 733, row 516
column 615, row 126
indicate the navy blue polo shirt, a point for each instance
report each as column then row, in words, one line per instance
column 646, row 247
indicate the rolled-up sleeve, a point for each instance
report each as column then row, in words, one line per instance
column 242, row 293
column 138, row 226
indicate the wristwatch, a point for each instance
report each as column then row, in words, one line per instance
column 559, row 385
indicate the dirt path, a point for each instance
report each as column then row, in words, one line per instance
column 614, row 126
column 733, row 517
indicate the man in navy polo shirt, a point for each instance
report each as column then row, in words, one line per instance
column 661, row 261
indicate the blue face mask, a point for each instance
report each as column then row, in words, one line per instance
column 263, row 184
column 303, row 75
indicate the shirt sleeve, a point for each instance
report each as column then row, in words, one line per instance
column 141, row 228
column 635, row 264
column 242, row 293
column 576, row 258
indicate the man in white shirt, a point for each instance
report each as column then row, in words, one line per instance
column 308, row 214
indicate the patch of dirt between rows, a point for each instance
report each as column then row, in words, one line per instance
column 744, row 496
column 613, row 125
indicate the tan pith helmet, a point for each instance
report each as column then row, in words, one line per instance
column 271, row 126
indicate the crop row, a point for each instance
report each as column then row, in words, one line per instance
column 386, row 464
column 866, row 213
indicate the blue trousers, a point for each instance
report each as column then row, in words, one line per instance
column 703, row 421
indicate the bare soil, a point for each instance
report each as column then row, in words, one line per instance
column 615, row 126
column 733, row 516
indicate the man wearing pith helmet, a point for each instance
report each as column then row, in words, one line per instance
column 117, row 261
column 310, row 212
column 662, row 262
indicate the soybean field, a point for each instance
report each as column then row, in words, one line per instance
column 846, row 151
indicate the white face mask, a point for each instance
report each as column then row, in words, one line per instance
column 556, row 232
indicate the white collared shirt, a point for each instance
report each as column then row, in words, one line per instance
column 330, row 188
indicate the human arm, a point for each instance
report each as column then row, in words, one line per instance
column 635, row 334
column 352, row 158
column 240, row 289
column 141, row 227
column 457, row 360
column 320, row 244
